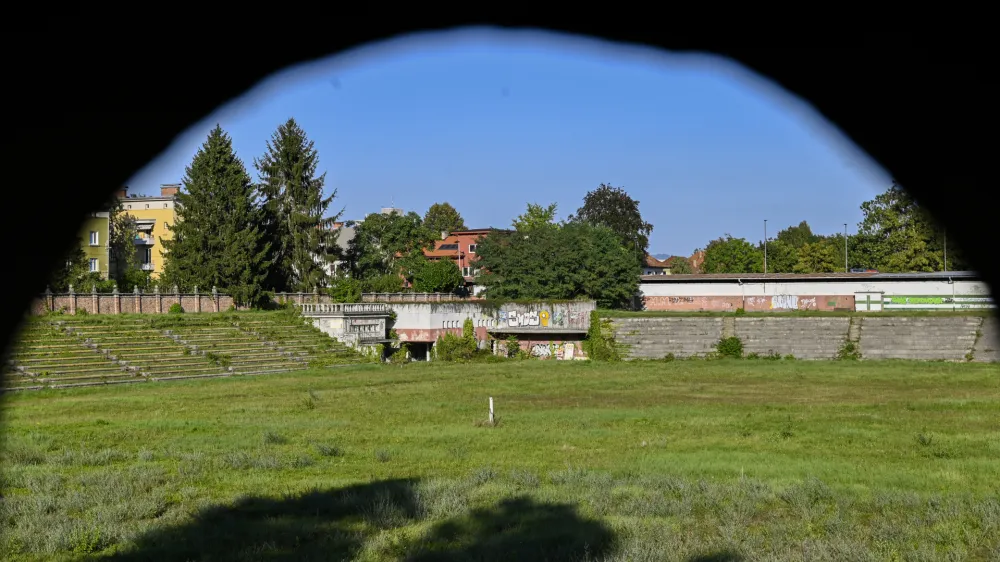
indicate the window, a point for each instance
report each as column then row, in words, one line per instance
column 472, row 248
column 448, row 247
column 147, row 205
column 466, row 271
column 94, row 268
column 93, row 238
column 147, row 255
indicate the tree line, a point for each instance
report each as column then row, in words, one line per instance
column 895, row 235
column 255, row 238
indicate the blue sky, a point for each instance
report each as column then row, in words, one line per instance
column 490, row 120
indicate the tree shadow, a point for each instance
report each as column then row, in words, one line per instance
column 516, row 529
column 725, row 556
column 337, row 524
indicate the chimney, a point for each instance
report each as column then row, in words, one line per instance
column 169, row 189
column 444, row 234
column 122, row 193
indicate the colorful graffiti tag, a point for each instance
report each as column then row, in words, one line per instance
column 930, row 302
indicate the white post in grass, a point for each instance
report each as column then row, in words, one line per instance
column 491, row 411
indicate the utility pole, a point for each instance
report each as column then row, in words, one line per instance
column 846, row 270
column 765, row 246
column 946, row 249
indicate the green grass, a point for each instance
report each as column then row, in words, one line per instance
column 606, row 313
column 686, row 460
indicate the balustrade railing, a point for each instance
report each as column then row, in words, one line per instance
column 344, row 308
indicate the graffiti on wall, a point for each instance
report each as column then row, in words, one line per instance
column 903, row 301
column 786, row 302
column 552, row 350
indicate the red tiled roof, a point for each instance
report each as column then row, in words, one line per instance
column 653, row 262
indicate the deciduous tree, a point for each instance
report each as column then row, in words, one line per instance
column 386, row 243
column 536, row 216
column 441, row 276
column 442, row 217
column 732, row 255
column 613, row 208
column 575, row 260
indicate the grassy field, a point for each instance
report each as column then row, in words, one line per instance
column 687, row 460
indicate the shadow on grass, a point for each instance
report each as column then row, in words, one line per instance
column 337, row 524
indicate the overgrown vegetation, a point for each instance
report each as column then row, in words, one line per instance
column 601, row 344
column 731, row 347
column 849, row 351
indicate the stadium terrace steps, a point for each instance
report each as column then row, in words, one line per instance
column 928, row 338
column 988, row 341
column 803, row 338
column 921, row 338
column 65, row 351
column 655, row 337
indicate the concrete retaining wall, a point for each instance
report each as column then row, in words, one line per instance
column 921, row 338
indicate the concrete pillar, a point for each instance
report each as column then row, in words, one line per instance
column 50, row 301
column 197, row 300
column 94, row 302
column 138, row 300
column 72, row 300
column 215, row 299
column 316, row 294
column 117, row 300
column 159, row 299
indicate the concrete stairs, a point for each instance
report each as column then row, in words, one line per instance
column 654, row 337
column 804, row 338
column 920, row 338
column 988, row 343
column 67, row 351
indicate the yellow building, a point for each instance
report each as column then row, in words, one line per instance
column 152, row 214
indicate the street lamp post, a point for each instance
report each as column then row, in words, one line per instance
column 946, row 249
column 845, row 249
column 765, row 246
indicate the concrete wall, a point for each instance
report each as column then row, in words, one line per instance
column 425, row 322
column 756, row 295
column 924, row 338
column 129, row 303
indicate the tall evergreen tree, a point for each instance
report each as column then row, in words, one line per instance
column 302, row 239
column 217, row 240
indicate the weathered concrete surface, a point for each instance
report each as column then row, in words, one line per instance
column 988, row 346
column 890, row 337
column 805, row 338
column 654, row 338
column 921, row 338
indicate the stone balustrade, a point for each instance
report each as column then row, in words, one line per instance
column 343, row 308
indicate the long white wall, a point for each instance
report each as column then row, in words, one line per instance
column 813, row 288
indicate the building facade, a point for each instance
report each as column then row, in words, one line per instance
column 95, row 234
column 460, row 247
column 757, row 292
column 153, row 215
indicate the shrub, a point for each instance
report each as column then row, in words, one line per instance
column 176, row 308
column 450, row 347
column 753, row 356
column 512, row 346
column 600, row 344
column 669, row 357
column 81, row 312
column 740, row 312
column 773, row 356
column 730, row 347
column 849, row 352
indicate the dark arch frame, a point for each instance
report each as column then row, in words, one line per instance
column 91, row 108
